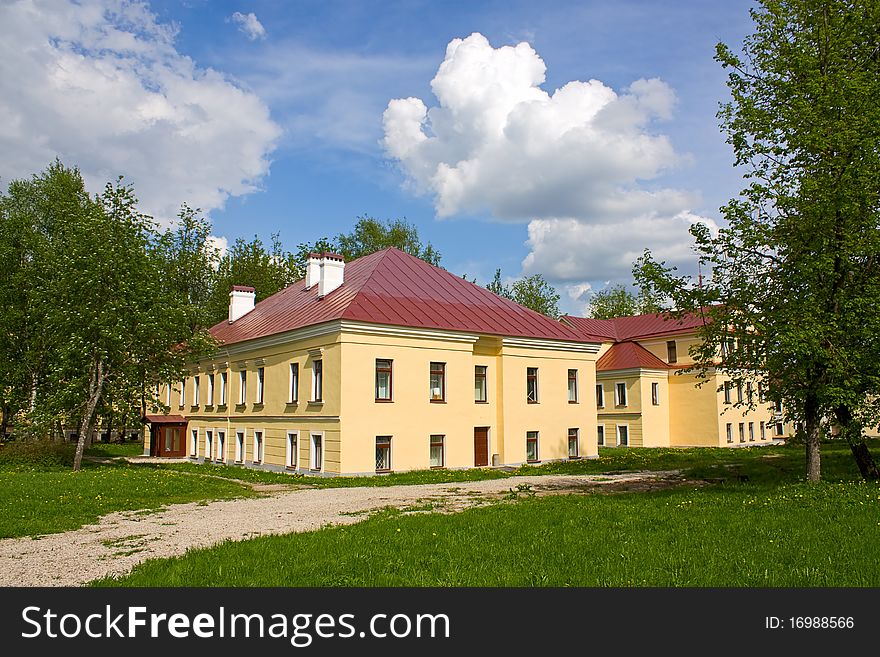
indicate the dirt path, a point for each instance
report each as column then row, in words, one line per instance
column 119, row 541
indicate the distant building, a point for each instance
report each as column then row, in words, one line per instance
column 383, row 364
column 645, row 399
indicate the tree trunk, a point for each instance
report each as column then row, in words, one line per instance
column 811, row 424
column 96, row 384
column 852, row 432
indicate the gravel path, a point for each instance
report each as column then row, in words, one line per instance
column 119, row 541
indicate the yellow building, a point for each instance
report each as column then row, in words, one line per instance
column 645, row 398
column 382, row 364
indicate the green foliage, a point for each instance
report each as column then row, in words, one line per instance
column 36, row 454
column 370, row 235
column 531, row 291
column 795, row 278
column 618, row 301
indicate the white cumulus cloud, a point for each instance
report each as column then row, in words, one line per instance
column 581, row 164
column 100, row 84
column 249, row 25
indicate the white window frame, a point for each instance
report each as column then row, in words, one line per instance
column 602, row 443
column 242, row 387
column 617, row 399
column 655, row 393
column 316, row 467
column 194, row 443
column 261, row 384
column 763, row 430
column 182, row 392
column 239, row 445
column 209, row 444
column 577, row 385
column 751, row 432
column 168, row 395
column 221, row 445
column 292, row 452
column 261, row 444
column 315, row 398
column 600, row 395
column 729, row 429
column 625, row 426
column 223, row 385
column 293, row 384
column 210, row 378
column 742, row 432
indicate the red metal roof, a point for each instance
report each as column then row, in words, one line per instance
column 395, row 288
column 165, row 419
column 627, row 356
column 634, row 328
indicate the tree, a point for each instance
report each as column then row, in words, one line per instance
column 618, row 301
column 370, row 235
column 795, row 279
column 531, row 291
column 267, row 270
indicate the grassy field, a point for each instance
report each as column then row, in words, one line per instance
column 753, row 525
column 40, row 494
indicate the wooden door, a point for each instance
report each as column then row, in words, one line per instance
column 481, row 446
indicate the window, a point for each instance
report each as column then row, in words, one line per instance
column 261, row 374
column 196, row 391
column 572, row 386
column 739, row 393
column 242, row 387
column 729, row 432
column 671, row 352
column 742, row 432
column 573, row 443
column 600, row 430
column 727, row 392
column 317, row 456
column 438, row 455
column 239, row 446
column 223, row 380
column 221, row 445
column 532, row 385
column 763, row 430
column 480, row 388
column 182, row 393
column 761, row 397
column 383, row 453
column 655, row 394
column 620, row 394
column 623, row 435
column 209, row 444
column 750, row 392
column 780, row 429
column 751, row 432
column 438, row 382
column 778, row 406
column 294, row 383
column 531, row 445
column 258, row 447
column 318, row 380
column 194, row 443
column 600, row 396
column 290, row 461
column 383, row 379
column 210, row 390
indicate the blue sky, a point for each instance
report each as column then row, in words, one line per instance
column 281, row 128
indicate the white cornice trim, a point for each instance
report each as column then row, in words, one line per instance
column 276, row 339
column 407, row 332
column 556, row 345
column 630, row 371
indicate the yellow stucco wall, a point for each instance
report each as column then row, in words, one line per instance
column 350, row 418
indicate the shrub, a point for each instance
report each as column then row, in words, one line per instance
column 39, row 453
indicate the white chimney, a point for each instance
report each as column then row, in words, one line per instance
column 241, row 301
column 332, row 273
column 313, row 269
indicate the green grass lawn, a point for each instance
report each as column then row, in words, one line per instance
column 40, row 494
column 729, row 535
